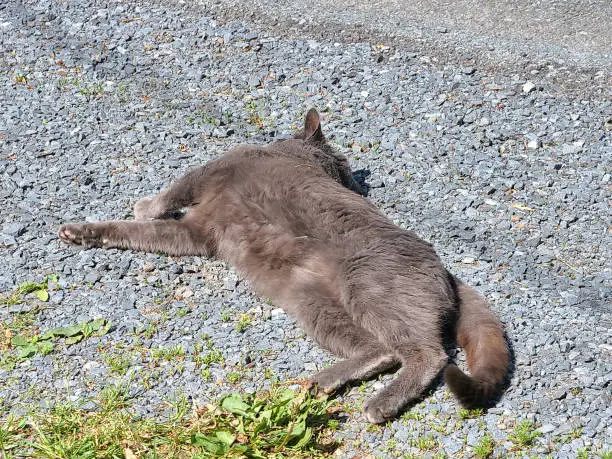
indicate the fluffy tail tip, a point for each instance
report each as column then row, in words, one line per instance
column 471, row 392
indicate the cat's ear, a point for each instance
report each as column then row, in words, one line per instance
column 312, row 126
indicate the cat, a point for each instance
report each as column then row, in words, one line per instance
column 289, row 216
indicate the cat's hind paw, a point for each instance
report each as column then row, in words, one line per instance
column 85, row 235
column 382, row 408
column 313, row 388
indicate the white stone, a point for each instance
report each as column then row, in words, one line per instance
column 528, row 87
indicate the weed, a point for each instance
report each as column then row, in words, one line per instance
column 470, row 414
column 149, row 331
column 92, row 90
column 243, row 322
column 168, row 353
column 582, row 453
column 484, row 447
column 575, row 391
column 414, row 415
column 524, row 434
column 214, row 356
column 426, row 442
column 118, row 363
column 269, row 373
column 279, row 423
column 233, row 377
column 40, row 289
column 20, row 78
column 225, row 315
column 205, row 374
column 576, row 432
column 29, row 344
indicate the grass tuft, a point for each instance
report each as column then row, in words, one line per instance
column 524, row 433
column 276, row 423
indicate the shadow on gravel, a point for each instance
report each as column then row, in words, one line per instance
column 360, row 177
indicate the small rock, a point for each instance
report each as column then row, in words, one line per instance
column 229, row 284
column 558, row 394
column 528, row 87
column 533, row 144
column 183, row 293
column 15, row 229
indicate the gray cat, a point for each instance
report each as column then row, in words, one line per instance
column 288, row 216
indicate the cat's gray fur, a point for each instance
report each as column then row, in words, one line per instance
column 287, row 217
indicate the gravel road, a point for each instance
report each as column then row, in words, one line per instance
column 505, row 174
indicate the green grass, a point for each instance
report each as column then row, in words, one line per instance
column 243, row 323
column 168, row 353
column 524, row 434
column 214, row 356
column 484, row 447
column 226, row 315
column 426, row 442
column 233, row 376
column 118, row 362
column 277, row 423
column 470, row 414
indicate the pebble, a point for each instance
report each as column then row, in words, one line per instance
column 528, row 87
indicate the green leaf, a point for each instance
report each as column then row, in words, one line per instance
column 225, row 437
column 46, row 335
column 74, row 339
column 264, row 422
column 52, row 278
column 211, row 444
column 19, row 340
column 45, row 347
column 234, row 404
column 29, row 287
column 27, row 351
column 298, row 430
column 66, row 331
column 104, row 329
column 96, row 324
column 306, row 437
column 42, row 295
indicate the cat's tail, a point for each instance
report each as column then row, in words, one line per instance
column 481, row 335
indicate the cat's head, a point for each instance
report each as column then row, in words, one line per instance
column 321, row 152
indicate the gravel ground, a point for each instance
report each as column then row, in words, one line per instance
column 105, row 103
column 565, row 43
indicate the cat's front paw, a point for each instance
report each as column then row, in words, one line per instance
column 85, row 235
column 143, row 209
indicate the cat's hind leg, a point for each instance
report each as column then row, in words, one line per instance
column 421, row 363
column 173, row 237
column 328, row 323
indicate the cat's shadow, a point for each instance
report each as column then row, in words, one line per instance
column 360, row 177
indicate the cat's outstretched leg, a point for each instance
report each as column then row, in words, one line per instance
column 173, row 237
column 168, row 203
column 421, row 363
column 326, row 320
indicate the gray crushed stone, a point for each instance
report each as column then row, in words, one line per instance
column 103, row 103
